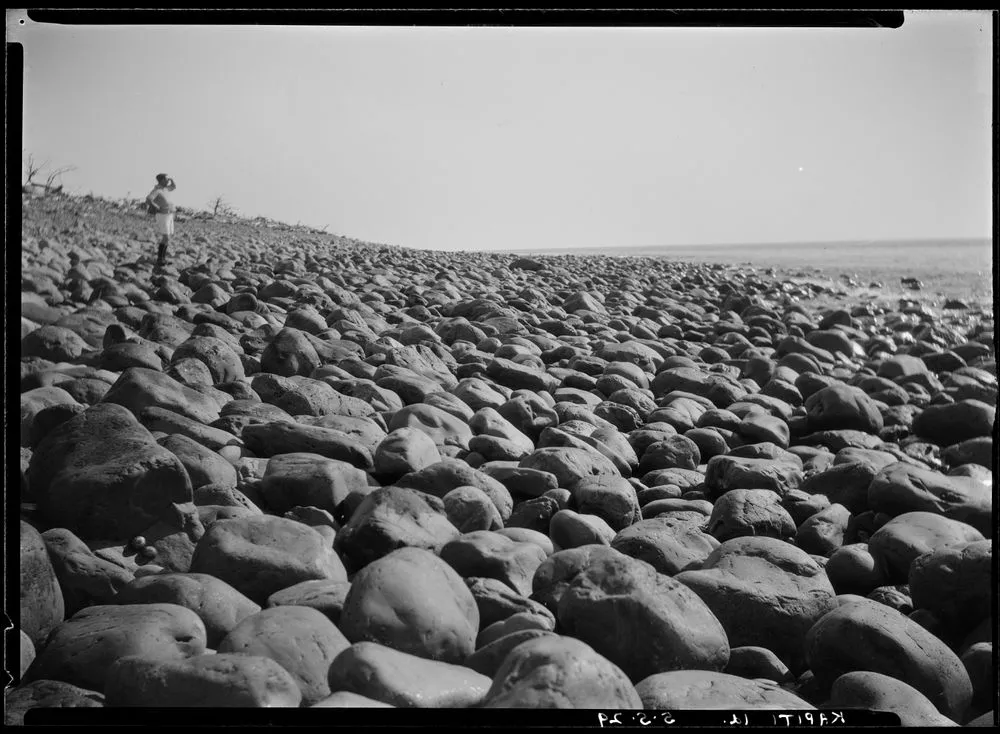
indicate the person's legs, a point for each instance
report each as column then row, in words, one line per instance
column 165, row 226
column 161, row 254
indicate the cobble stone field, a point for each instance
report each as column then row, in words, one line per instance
column 297, row 470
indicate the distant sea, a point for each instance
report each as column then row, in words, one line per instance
column 957, row 268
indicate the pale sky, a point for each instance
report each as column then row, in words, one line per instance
column 514, row 138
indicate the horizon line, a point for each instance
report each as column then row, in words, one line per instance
column 549, row 250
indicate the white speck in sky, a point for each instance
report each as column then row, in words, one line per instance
column 801, row 169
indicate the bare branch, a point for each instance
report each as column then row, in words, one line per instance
column 219, row 205
column 51, row 178
column 32, row 168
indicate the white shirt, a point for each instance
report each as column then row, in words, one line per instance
column 160, row 196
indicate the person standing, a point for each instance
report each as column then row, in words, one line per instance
column 159, row 200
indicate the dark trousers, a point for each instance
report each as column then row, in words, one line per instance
column 161, row 253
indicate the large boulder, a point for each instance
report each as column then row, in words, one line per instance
column 723, row 473
column 955, row 422
column 224, row 680
column 496, row 602
column 899, row 542
column 845, row 484
column 852, row 569
column 397, row 678
column 560, row 672
column 611, row 498
column 742, row 512
column 669, row 543
column 863, row 689
column 33, row 402
column 290, row 352
column 391, row 518
column 85, row 578
column 403, row 451
column 82, row 649
column 139, row 388
column 302, row 640
column 765, row 592
column 823, row 532
column 904, row 487
column 706, row 689
column 311, row 480
column 55, row 343
column 518, row 376
column 486, row 554
column 102, row 475
column 26, row 653
column 42, row 606
column 894, row 645
column 954, row 583
column 569, row 465
column 262, row 554
column 317, row 398
column 443, row 427
column 470, row 509
column 841, row 406
column 281, row 437
column 639, row 619
column 412, row 601
column 324, row 596
column 219, row 605
column 203, row 466
column 442, row 477
column 221, row 359
column 43, row 694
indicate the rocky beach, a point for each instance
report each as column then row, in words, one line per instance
column 298, row 470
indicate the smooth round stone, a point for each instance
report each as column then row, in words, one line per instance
column 765, row 592
column 524, row 535
column 470, row 509
column 903, row 539
column 823, row 533
column 401, row 679
column 324, row 596
column 559, row 672
column 219, row 605
column 898, row 647
column 350, row 700
column 42, row 606
column 877, row 692
column 219, row 680
column 670, row 543
column 514, row 623
column 756, row 512
column 640, row 619
column 853, row 569
column 703, row 689
column 979, row 664
column 491, row 555
column 82, row 649
column 488, row 658
column 954, row 583
column 261, row 554
column 569, row 529
column 412, row 601
column 46, row 694
column 757, row 662
column 390, row 518
column 405, row 450
column 301, row 639
column 26, row 652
